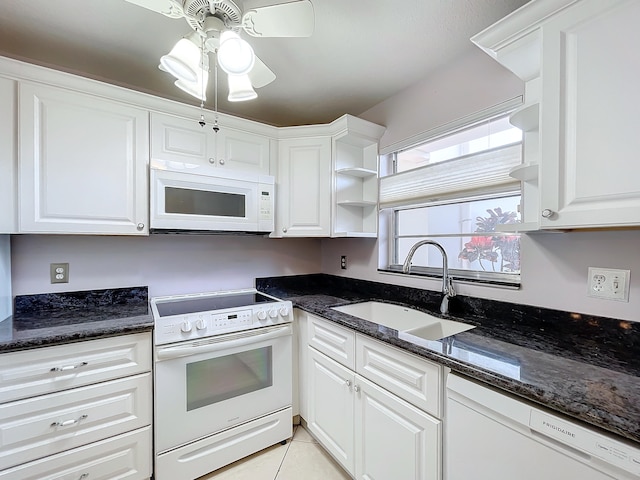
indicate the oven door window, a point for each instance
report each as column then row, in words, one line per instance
column 217, row 379
column 203, row 202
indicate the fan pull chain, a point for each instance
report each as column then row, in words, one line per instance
column 216, row 128
column 202, row 54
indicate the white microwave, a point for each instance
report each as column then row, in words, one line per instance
column 188, row 198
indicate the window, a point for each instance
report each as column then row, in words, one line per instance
column 456, row 189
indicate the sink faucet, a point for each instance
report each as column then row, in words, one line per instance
column 447, row 285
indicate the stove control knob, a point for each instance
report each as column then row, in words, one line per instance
column 262, row 315
column 273, row 313
column 186, row 326
column 201, row 324
column 284, row 312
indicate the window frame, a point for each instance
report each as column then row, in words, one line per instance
column 388, row 251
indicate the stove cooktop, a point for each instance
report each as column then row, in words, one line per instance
column 208, row 303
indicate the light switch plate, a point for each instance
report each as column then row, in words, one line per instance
column 609, row 283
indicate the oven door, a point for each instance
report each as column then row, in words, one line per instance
column 205, row 386
column 184, row 201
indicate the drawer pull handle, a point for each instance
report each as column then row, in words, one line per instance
column 72, row 421
column 69, row 367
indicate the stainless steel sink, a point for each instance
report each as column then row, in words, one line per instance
column 405, row 319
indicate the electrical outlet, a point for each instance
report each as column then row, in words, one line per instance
column 609, row 283
column 343, row 262
column 59, row 272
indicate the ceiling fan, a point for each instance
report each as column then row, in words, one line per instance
column 216, row 24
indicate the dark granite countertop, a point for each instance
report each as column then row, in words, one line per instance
column 585, row 367
column 57, row 318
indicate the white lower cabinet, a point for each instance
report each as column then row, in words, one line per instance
column 125, row 457
column 332, row 407
column 393, row 438
column 368, row 429
column 85, row 411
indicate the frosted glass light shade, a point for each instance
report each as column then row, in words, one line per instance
column 235, row 55
column 198, row 88
column 240, row 88
column 183, row 61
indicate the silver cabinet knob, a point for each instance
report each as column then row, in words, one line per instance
column 140, row 226
column 212, row 161
column 356, row 388
column 284, row 230
column 348, row 383
column 221, row 161
column 546, row 213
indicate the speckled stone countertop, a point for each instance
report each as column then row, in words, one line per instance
column 583, row 366
column 57, row 318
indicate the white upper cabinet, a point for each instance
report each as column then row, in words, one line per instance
column 590, row 143
column 8, row 157
column 579, row 118
column 183, row 140
column 303, row 192
column 83, row 163
column 327, row 179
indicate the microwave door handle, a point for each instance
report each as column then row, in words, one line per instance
column 186, row 349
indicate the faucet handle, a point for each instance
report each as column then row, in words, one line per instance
column 450, row 290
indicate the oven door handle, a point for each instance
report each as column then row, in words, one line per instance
column 221, row 343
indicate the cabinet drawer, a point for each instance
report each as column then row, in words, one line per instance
column 50, row 369
column 36, row 427
column 334, row 341
column 415, row 380
column 125, row 457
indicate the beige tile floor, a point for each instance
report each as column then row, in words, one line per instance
column 302, row 457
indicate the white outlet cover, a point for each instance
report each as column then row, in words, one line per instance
column 608, row 283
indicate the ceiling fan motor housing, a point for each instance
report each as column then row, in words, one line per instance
column 197, row 11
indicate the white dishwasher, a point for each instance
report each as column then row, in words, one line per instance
column 492, row 436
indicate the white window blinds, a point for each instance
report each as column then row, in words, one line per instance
column 463, row 178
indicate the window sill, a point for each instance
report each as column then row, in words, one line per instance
column 507, row 281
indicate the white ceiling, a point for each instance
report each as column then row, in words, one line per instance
column 362, row 51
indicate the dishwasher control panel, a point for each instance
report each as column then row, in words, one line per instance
column 579, row 438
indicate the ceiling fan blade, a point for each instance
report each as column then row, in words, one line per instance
column 295, row 19
column 169, row 8
column 261, row 75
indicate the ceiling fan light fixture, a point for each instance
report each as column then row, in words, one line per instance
column 198, row 88
column 240, row 88
column 235, row 55
column 183, row 60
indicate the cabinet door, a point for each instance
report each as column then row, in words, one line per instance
column 83, row 163
column 589, row 131
column 304, row 187
column 8, row 157
column 331, row 408
column 242, row 151
column 393, row 438
column 177, row 139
